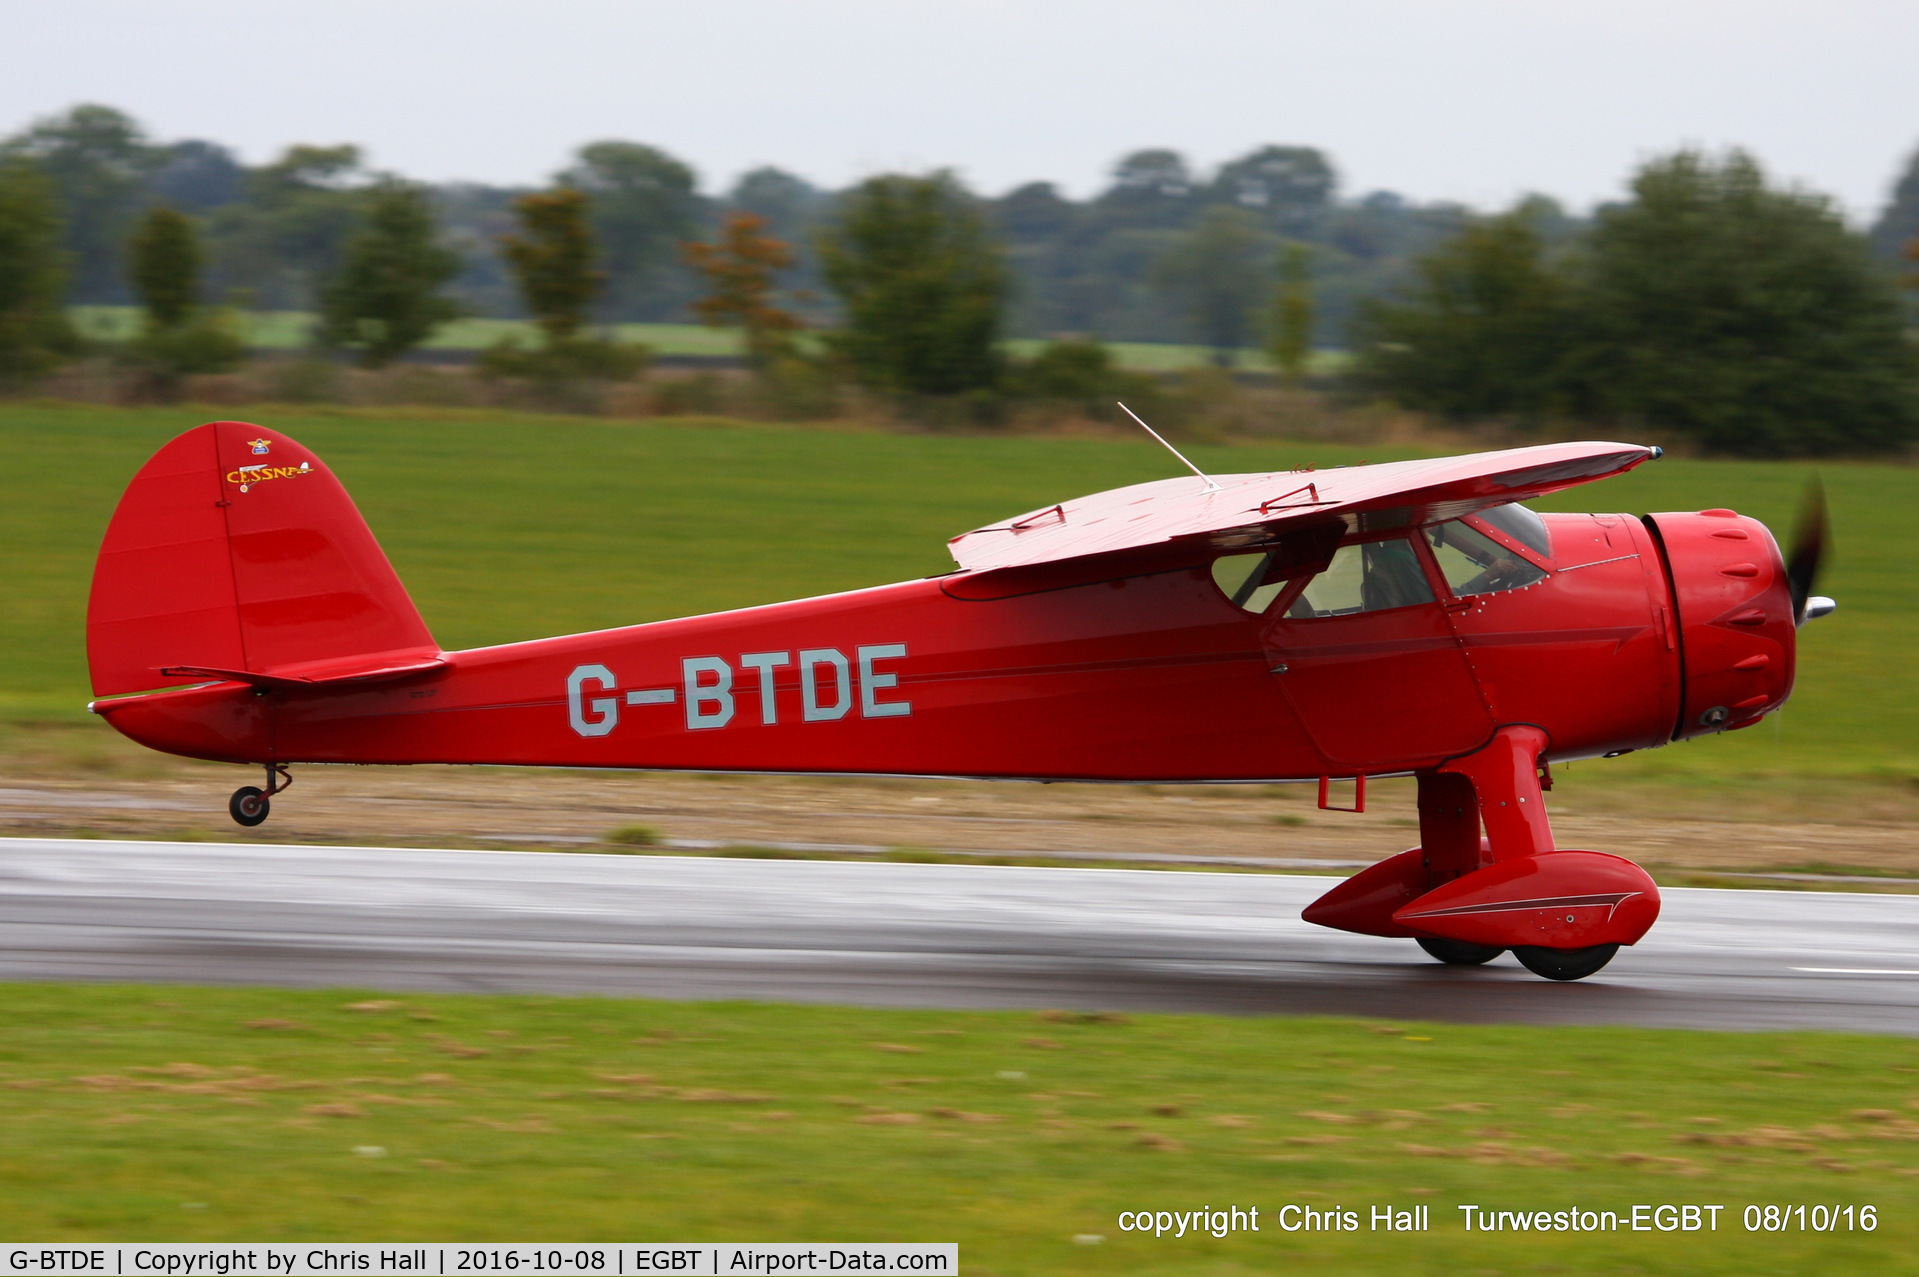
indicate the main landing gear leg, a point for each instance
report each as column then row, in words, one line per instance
column 1487, row 876
column 250, row 804
column 1502, row 782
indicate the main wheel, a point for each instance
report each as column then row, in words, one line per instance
column 1564, row 964
column 249, row 805
column 1458, row 953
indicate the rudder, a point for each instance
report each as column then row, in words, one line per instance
column 235, row 553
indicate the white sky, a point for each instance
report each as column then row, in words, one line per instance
column 1472, row 100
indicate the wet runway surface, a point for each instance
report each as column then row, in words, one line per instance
column 898, row 935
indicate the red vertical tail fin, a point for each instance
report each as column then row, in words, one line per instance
column 235, row 553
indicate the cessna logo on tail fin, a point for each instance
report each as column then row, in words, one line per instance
column 247, row 476
column 829, row 686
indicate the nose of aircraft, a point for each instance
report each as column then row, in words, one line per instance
column 1737, row 612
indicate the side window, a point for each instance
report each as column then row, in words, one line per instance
column 1242, row 578
column 1474, row 563
column 1253, row 580
column 1369, row 577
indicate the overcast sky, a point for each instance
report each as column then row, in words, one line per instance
column 1471, row 100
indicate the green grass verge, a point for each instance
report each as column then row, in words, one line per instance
column 513, row 526
column 153, row 1113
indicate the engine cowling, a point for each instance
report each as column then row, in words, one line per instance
column 1734, row 613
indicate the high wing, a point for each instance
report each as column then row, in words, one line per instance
column 1171, row 522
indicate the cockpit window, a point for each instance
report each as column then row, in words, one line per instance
column 1474, row 563
column 1242, row 578
column 1522, row 525
column 1255, row 579
column 1368, row 577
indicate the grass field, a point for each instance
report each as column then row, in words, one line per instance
column 194, row 1114
column 511, row 526
column 289, row 330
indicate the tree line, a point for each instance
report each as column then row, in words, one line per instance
column 1722, row 308
column 1109, row 264
column 1712, row 304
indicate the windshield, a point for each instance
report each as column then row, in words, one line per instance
column 1522, row 525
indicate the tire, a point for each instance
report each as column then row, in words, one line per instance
column 1564, row 964
column 1458, row 953
column 249, row 806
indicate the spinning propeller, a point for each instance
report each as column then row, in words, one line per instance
column 1808, row 549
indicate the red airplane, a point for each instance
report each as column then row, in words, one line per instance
column 1411, row 618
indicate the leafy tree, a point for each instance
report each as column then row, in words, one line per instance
column 386, row 299
column 1081, row 372
column 789, row 205
column 196, row 176
column 1287, row 186
column 98, row 161
column 1746, row 317
column 739, row 273
column 643, row 208
column 164, row 255
column 554, row 260
column 1070, row 369
column 1035, row 212
column 1151, row 189
column 33, row 326
column 284, row 238
column 1048, row 255
column 473, row 216
column 793, row 209
column 1898, row 224
column 922, row 285
column 1217, row 274
column 180, row 337
column 1289, row 316
column 1486, row 330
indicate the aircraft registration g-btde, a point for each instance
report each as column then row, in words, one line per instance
column 1383, row 620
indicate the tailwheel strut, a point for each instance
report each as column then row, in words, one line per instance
column 250, row 805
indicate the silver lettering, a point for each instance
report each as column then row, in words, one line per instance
column 871, row 684
column 810, row 707
column 606, row 707
column 718, row 693
column 766, row 663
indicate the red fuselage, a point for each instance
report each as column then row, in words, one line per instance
column 1150, row 677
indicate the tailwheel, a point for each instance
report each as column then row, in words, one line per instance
column 249, row 805
column 1458, row 953
column 1564, row 964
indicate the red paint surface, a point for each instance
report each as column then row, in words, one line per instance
column 1086, row 642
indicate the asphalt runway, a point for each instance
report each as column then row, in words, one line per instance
column 898, row 935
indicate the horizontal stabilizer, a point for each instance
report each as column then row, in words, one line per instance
column 371, row 669
column 1173, row 521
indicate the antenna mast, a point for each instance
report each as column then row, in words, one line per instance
column 1210, row 485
